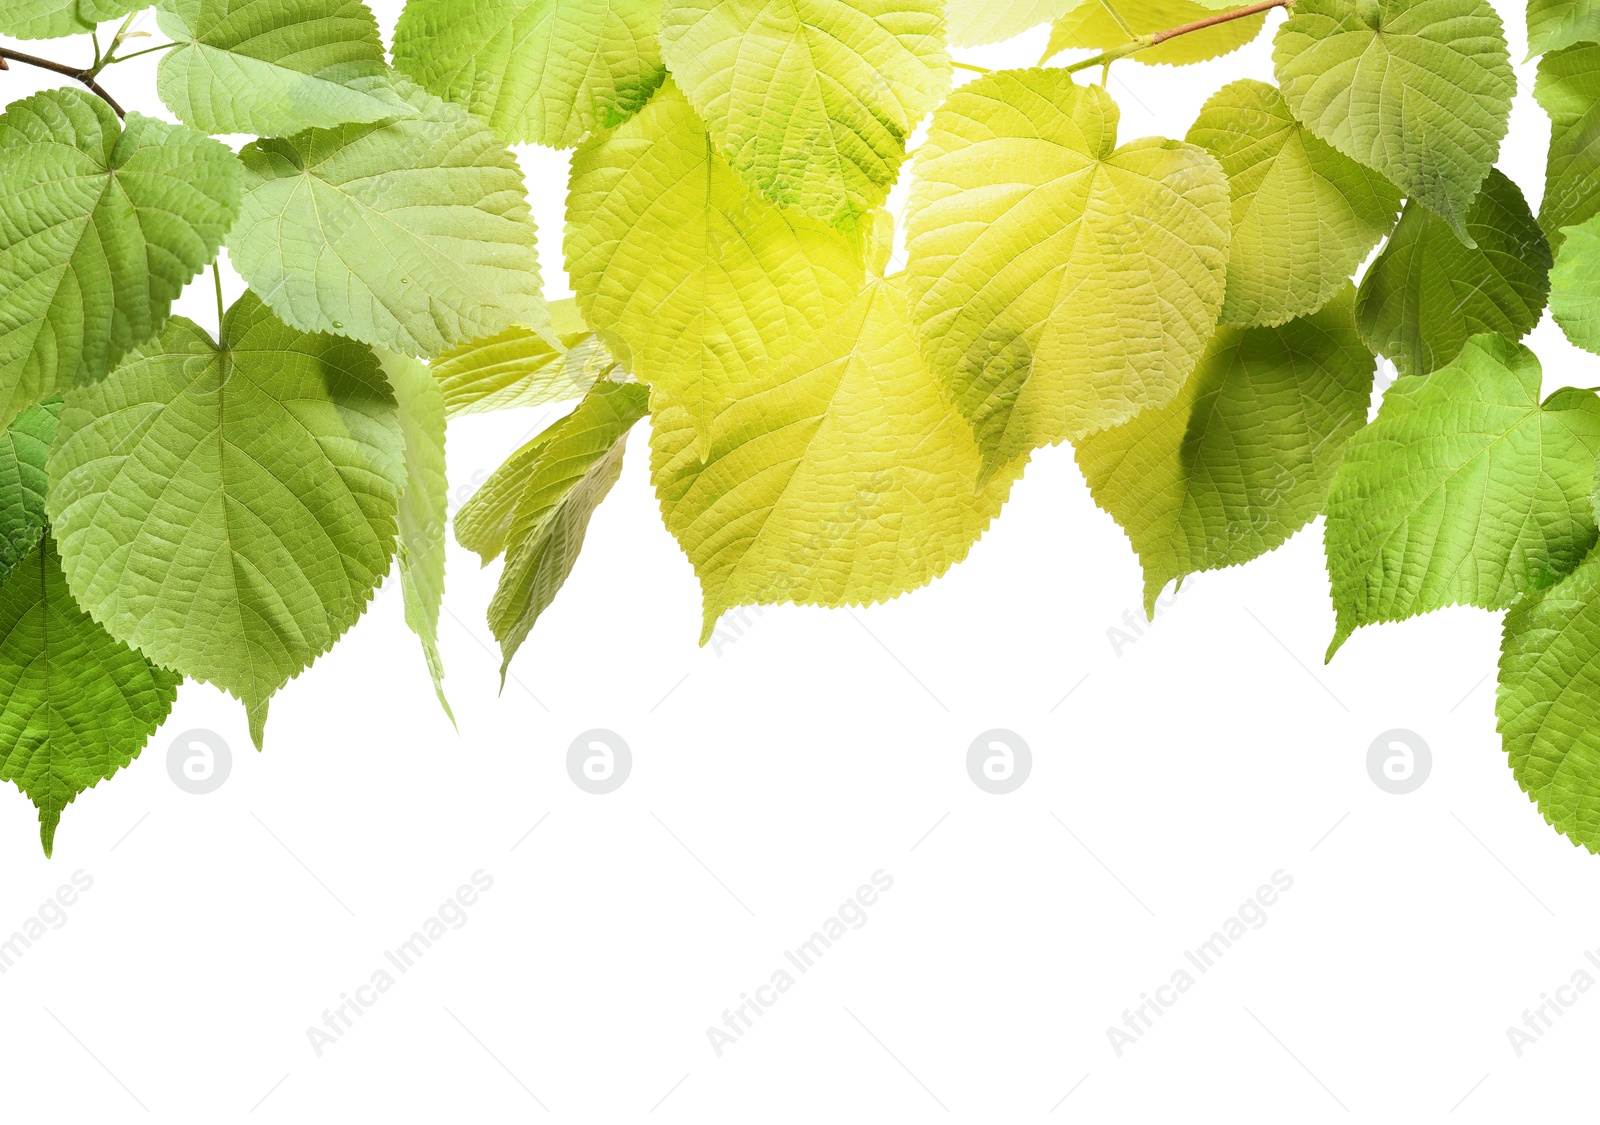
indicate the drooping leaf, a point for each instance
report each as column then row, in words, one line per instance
column 1304, row 215
column 1464, row 490
column 842, row 478
column 536, row 507
column 1419, row 90
column 424, row 506
column 1090, row 25
column 542, row 71
column 1568, row 87
column 811, row 100
column 1554, row 24
column 1427, row 292
column 228, row 509
column 243, row 66
column 696, row 283
column 24, row 446
column 520, row 367
column 1548, row 696
column 413, row 234
column 101, row 226
column 1242, row 458
column 1081, row 286
column 76, row 705
column 1575, row 285
column 51, row 19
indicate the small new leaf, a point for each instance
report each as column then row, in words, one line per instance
column 520, row 367
column 101, row 226
column 412, row 234
column 1242, row 458
column 228, row 509
column 76, row 705
column 1079, row 289
column 542, row 71
column 1464, row 490
column 536, row 507
column 242, row 66
column 1419, row 90
column 424, row 506
column 1428, row 292
column 1304, row 215
column 842, row 478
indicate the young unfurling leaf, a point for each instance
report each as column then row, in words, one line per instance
column 536, row 507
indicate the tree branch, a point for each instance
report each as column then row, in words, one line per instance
column 72, row 72
column 1144, row 41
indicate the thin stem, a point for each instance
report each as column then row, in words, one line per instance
column 216, row 273
column 1143, row 41
column 1116, row 17
column 136, row 54
column 971, row 67
column 71, row 72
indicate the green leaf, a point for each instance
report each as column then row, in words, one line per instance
column 1090, row 25
column 536, row 506
column 545, row 71
column 101, row 226
column 1549, row 695
column 424, row 506
column 413, row 235
column 1464, row 490
column 1568, row 87
column 811, row 100
column 1575, row 285
column 24, row 446
column 228, row 509
column 52, row 19
column 842, row 478
column 696, row 283
column 1304, row 215
column 520, row 367
column 1082, row 286
column 1554, row 24
column 1427, row 292
column 75, row 705
column 975, row 23
column 1243, row 457
column 1419, row 90
column 243, row 66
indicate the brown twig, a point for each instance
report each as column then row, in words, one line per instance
column 72, row 72
column 1144, row 41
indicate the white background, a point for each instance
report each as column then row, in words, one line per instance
column 773, row 775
